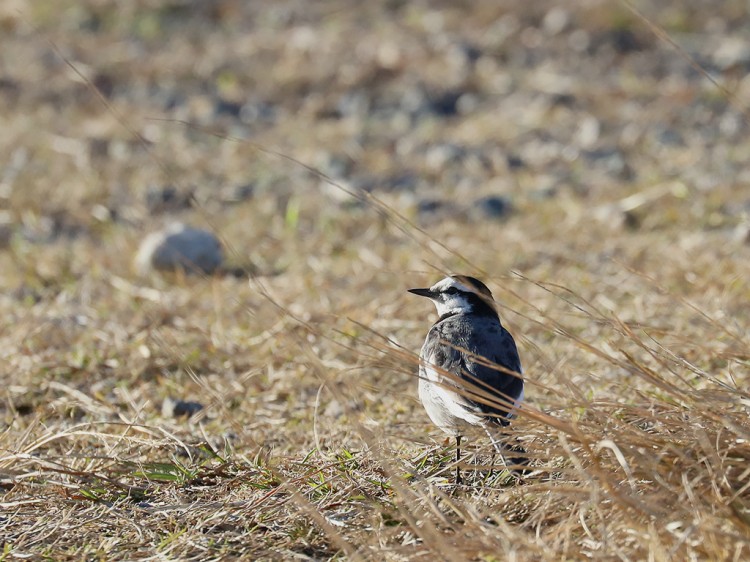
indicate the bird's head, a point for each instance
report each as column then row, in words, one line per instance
column 459, row 294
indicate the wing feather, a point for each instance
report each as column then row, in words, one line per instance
column 481, row 356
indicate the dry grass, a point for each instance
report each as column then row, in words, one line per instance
column 626, row 294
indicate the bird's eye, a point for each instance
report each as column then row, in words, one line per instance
column 451, row 291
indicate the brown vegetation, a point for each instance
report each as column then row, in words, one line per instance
column 339, row 152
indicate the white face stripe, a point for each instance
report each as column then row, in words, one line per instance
column 458, row 295
column 447, row 283
column 456, row 301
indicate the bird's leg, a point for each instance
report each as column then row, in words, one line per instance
column 500, row 448
column 458, row 460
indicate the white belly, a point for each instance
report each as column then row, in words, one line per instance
column 447, row 409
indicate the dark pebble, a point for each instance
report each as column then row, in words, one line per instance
column 427, row 206
column 494, row 207
column 515, row 162
column 166, row 199
column 446, row 103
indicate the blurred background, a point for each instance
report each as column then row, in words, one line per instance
column 447, row 110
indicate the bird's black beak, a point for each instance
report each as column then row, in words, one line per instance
column 423, row 293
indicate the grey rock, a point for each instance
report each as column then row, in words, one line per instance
column 175, row 408
column 180, row 247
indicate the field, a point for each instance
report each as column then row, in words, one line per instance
column 587, row 160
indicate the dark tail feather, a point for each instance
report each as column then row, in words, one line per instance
column 519, row 462
column 513, row 455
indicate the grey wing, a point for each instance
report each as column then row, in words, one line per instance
column 508, row 387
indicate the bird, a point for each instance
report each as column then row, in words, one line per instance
column 469, row 369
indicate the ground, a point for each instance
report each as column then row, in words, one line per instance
column 587, row 160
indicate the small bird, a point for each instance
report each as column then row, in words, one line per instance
column 469, row 369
